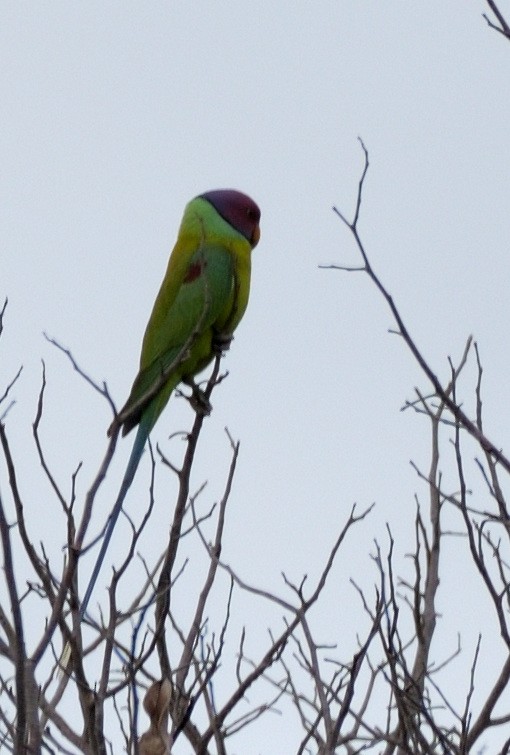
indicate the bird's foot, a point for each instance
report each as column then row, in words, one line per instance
column 221, row 342
column 198, row 400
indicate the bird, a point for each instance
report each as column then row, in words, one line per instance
column 202, row 299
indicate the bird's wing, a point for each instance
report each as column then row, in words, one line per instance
column 173, row 343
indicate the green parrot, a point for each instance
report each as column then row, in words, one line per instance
column 201, row 301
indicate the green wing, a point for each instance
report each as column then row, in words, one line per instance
column 179, row 343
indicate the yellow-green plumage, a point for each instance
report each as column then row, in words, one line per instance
column 201, row 301
column 204, row 293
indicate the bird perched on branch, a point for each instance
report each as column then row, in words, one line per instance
column 201, row 301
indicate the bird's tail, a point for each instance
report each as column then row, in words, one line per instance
column 136, row 454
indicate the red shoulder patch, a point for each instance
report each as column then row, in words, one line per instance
column 194, row 271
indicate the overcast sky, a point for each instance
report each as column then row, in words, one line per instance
column 115, row 114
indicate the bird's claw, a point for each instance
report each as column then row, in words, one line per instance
column 198, row 400
column 221, row 342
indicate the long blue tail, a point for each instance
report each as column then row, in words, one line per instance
column 134, row 460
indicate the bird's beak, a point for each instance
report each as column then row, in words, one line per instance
column 255, row 237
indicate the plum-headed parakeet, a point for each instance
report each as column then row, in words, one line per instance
column 201, row 301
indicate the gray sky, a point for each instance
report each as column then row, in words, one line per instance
column 115, row 115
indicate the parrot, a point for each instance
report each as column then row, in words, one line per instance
column 203, row 296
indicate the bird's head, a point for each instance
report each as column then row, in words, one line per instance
column 238, row 210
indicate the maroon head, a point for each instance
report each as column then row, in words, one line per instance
column 238, row 210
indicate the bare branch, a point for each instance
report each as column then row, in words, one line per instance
column 503, row 27
column 455, row 409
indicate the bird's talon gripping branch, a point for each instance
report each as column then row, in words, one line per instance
column 221, row 342
column 198, row 400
